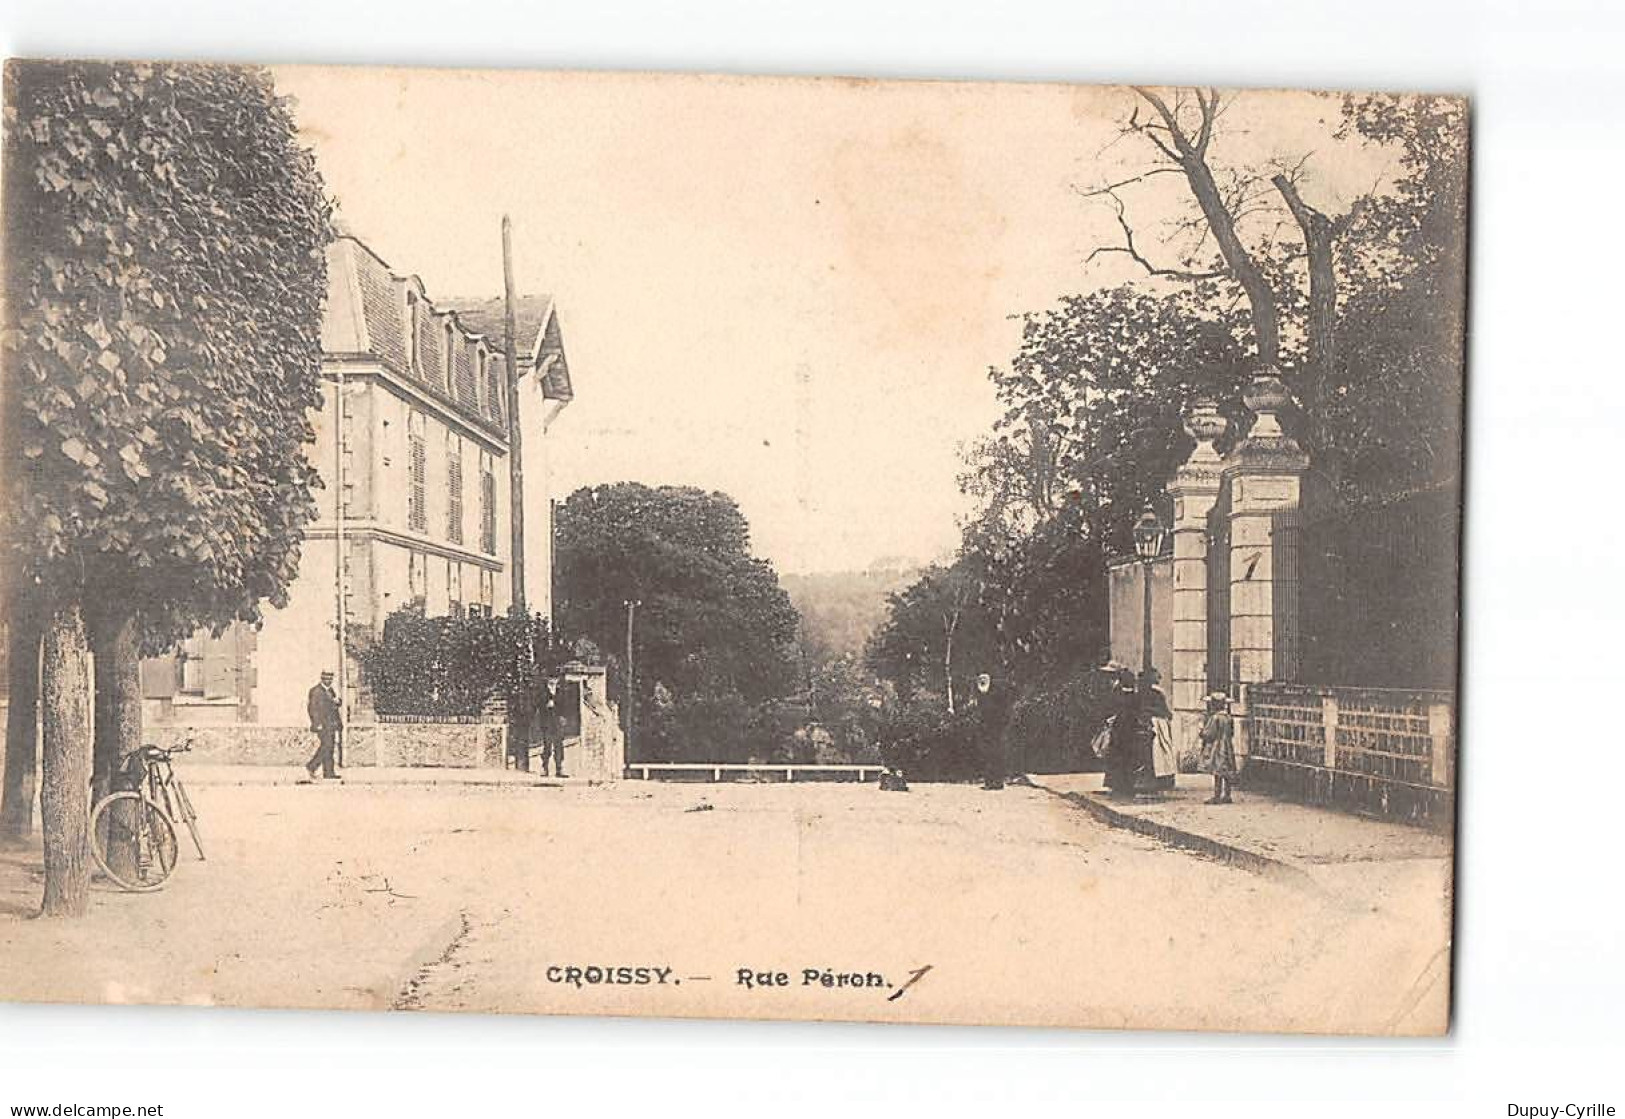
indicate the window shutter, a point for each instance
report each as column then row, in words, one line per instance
column 417, row 514
column 159, row 677
column 454, row 490
column 488, row 512
column 219, row 670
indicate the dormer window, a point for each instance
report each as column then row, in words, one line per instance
column 495, row 370
column 451, row 350
column 413, row 312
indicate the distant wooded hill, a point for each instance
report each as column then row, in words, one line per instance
column 840, row 609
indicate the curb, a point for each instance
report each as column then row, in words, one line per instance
column 1243, row 858
column 426, row 782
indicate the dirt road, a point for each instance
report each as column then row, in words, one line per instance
column 1002, row 907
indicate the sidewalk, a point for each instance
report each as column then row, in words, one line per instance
column 1259, row 832
column 207, row 774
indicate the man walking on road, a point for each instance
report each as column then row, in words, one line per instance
column 326, row 723
column 993, row 710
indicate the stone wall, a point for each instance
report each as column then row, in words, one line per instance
column 597, row 752
column 239, row 745
column 481, row 745
column 462, row 745
column 1127, row 615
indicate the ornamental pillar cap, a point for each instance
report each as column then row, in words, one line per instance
column 1266, row 396
column 1205, row 424
column 1267, row 448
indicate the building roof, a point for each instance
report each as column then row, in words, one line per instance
column 536, row 332
column 367, row 316
column 485, row 316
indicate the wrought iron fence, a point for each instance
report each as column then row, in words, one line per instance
column 1385, row 751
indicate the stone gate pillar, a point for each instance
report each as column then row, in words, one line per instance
column 1265, row 475
column 1195, row 489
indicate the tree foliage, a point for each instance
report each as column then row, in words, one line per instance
column 1016, row 605
column 1361, row 311
column 1093, row 400
column 456, row 665
column 166, row 269
column 712, row 620
column 936, row 637
column 164, row 272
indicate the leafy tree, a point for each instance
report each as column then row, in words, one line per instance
column 1393, row 408
column 713, row 620
column 840, row 702
column 1361, row 312
column 1092, row 407
column 166, row 268
column 937, row 637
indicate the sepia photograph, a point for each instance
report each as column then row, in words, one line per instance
column 705, row 546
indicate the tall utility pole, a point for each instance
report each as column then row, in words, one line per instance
column 516, row 465
column 340, row 443
column 632, row 605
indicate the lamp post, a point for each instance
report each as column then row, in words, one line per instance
column 632, row 605
column 1148, row 537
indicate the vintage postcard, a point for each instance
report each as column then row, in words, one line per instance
column 573, row 543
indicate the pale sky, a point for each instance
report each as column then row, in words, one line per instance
column 786, row 289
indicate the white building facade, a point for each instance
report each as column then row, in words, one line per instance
column 412, row 445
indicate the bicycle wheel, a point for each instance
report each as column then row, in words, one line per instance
column 133, row 841
column 188, row 815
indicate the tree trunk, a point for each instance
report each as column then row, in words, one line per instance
column 1260, row 299
column 118, row 698
column 22, row 715
column 1190, row 154
column 948, row 657
column 1319, row 232
column 65, row 781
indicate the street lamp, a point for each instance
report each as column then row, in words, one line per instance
column 1148, row 537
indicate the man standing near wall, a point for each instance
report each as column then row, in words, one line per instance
column 326, row 723
column 552, row 726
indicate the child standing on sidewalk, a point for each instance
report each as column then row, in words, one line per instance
column 1218, row 742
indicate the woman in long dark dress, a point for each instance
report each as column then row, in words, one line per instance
column 1124, row 745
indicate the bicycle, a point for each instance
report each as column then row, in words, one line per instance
column 132, row 831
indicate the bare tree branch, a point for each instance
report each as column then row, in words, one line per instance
column 1129, row 249
column 1191, row 157
column 1111, row 188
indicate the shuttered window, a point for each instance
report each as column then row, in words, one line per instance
column 417, row 497
column 417, row 578
column 496, row 369
column 454, row 488
column 488, row 506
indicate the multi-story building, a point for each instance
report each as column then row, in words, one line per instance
column 412, row 443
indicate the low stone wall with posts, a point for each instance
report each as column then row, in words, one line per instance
column 477, row 742
column 1387, row 752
